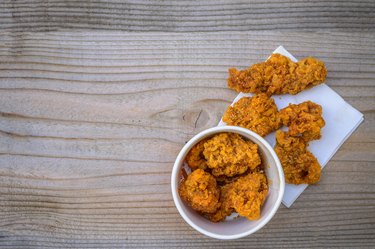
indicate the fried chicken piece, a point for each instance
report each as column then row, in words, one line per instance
column 225, row 208
column 200, row 191
column 245, row 196
column 278, row 75
column 303, row 119
column 258, row 113
column 229, row 154
column 299, row 165
column 195, row 158
column 248, row 195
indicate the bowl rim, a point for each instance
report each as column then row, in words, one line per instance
column 181, row 157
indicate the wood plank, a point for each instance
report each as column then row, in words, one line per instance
column 91, row 122
column 187, row 16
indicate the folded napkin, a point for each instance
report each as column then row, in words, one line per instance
column 340, row 117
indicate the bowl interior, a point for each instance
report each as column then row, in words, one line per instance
column 239, row 227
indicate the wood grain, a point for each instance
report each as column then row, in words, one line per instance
column 91, row 122
column 191, row 16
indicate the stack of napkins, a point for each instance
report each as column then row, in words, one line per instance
column 340, row 117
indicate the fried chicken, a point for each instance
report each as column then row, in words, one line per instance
column 200, row 191
column 234, row 162
column 195, row 158
column 246, row 196
column 278, row 75
column 258, row 113
column 303, row 119
column 299, row 165
column 226, row 207
column 229, row 154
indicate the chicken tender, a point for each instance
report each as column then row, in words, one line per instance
column 258, row 113
column 229, row 154
column 195, row 158
column 278, row 75
column 299, row 165
column 303, row 119
column 200, row 191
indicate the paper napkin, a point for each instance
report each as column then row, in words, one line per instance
column 340, row 117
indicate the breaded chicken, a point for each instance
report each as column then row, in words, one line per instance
column 299, row 165
column 303, row 119
column 278, row 75
column 229, row 154
column 200, row 191
column 258, row 113
column 246, row 196
column 195, row 158
column 226, row 206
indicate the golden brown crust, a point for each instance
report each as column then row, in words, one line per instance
column 299, row 165
column 258, row 113
column 224, row 180
column 195, row 158
column 200, row 191
column 303, row 119
column 229, row 154
column 246, row 196
column 278, row 75
column 226, row 207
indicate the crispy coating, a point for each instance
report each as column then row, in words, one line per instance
column 246, row 196
column 229, row 154
column 258, row 113
column 200, row 191
column 303, row 119
column 278, row 75
column 225, row 208
column 195, row 158
column 223, row 180
column 299, row 165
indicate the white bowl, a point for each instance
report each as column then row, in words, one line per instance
column 241, row 227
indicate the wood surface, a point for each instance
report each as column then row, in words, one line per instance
column 92, row 116
column 188, row 15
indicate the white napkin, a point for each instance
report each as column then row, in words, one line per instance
column 340, row 117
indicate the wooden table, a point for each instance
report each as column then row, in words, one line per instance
column 97, row 98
